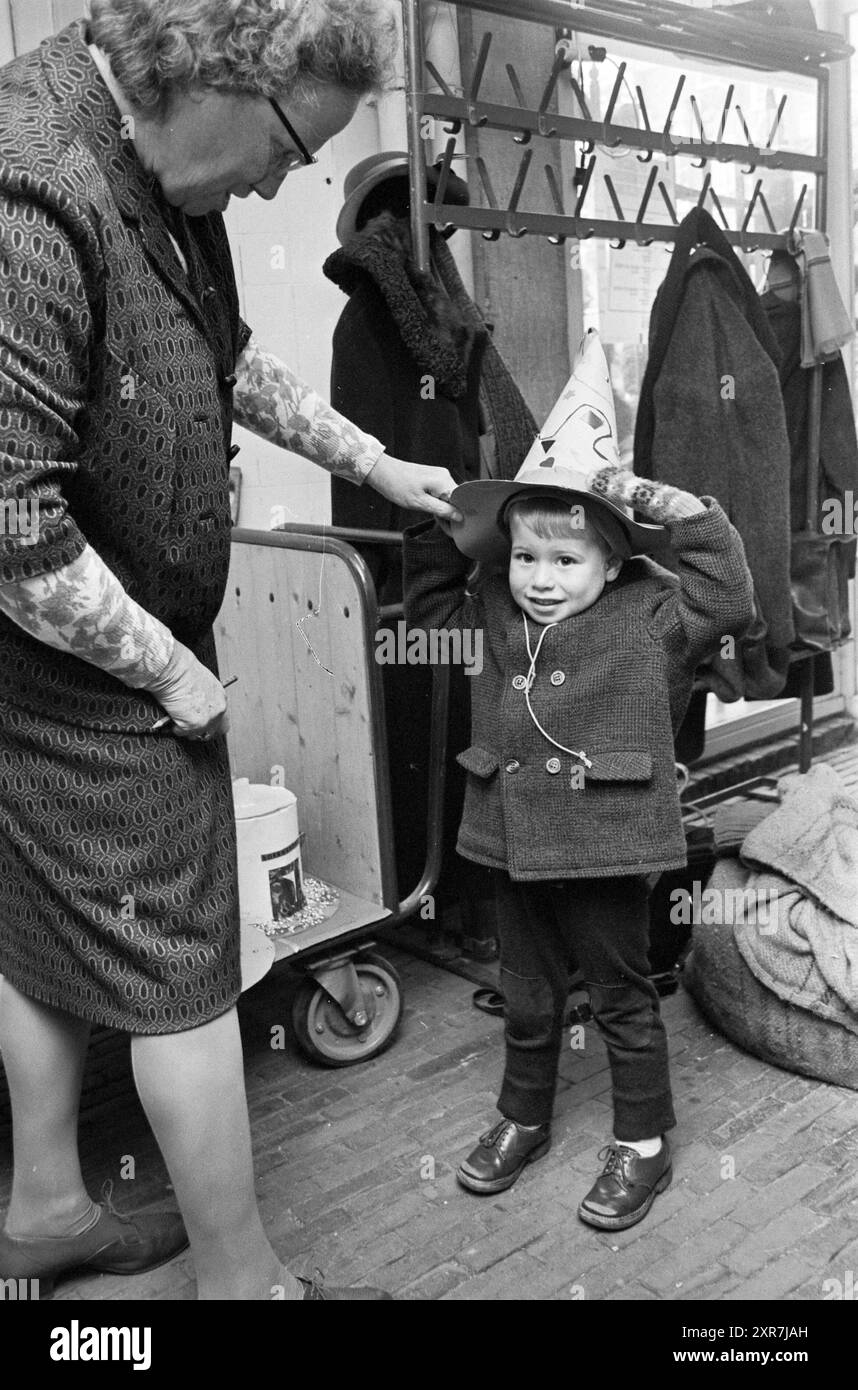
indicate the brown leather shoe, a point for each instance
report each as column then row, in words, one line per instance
column 114, row 1245
column 317, row 1291
column 627, row 1188
column 502, row 1155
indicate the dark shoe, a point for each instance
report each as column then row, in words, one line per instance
column 114, row 1245
column 629, row 1185
column 316, row 1290
column 501, row 1156
column 490, row 1001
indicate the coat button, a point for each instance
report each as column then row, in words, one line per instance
column 557, row 677
column 553, row 765
column 519, row 682
column 513, row 765
column 230, row 381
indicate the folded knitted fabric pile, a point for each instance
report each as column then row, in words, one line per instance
column 804, row 857
column 777, row 969
column 735, row 820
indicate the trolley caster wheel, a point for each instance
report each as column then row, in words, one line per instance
column 323, row 1032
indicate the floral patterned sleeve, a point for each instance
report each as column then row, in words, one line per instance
column 272, row 402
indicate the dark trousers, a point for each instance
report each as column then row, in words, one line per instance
column 604, row 924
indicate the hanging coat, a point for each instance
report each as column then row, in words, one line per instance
column 711, row 420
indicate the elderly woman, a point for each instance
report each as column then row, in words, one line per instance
column 123, row 363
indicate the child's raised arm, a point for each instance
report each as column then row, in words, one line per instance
column 715, row 598
column 435, row 574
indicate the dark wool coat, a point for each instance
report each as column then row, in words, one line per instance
column 391, row 335
column 838, row 445
column 711, row 420
column 613, row 681
column 389, row 340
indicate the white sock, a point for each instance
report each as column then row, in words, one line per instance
column 647, row 1148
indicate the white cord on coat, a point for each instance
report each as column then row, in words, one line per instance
column 530, row 678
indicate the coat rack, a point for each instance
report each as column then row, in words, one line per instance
column 724, row 37
column 676, row 27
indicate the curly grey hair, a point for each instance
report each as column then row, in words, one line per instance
column 264, row 47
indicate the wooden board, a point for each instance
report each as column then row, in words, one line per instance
column 303, row 719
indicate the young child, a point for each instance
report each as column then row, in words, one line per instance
column 589, row 650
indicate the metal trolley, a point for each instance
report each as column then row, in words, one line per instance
column 298, row 627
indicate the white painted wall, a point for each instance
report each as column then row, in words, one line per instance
column 279, row 249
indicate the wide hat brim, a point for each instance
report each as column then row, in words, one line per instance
column 392, row 166
column 481, row 535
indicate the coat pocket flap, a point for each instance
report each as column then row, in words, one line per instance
column 479, row 761
column 619, row 765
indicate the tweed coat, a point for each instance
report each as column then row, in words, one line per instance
column 711, row 420
column 613, row 681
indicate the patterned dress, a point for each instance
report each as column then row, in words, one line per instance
column 117, row 842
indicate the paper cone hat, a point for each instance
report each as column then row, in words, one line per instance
column 579, row 437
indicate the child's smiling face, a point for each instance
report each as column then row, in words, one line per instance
column 553, row 578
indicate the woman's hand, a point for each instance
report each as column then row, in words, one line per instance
column 194, row 698
column 414, row 486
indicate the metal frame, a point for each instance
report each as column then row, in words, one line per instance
column 722, row 37
column 340, row 541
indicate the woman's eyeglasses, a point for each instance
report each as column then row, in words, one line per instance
column 303, row 156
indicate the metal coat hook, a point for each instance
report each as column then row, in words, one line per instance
column 707, row 182
column 662, row 188
column 474, row 118
column 543, row 126
column 717, row 202
column 443, row 180
column 493, row 234
column 793, row 222
column 645, row 155
column 525, row 136
column 774, row 130
column 704, row 159
column 512, row 223
column 753, row 151
column 722, row 124
column 581, row 233
column 748, row 250
column 764, row 205
column 666, row 143
column 455, row 125
column 587, row 146
column 608, row 140
column 620, row 242
column 639, row 238
column 556, row 238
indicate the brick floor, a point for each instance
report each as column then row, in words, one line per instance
column 356, row 1166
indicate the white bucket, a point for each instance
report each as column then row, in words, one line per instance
column 270, row 879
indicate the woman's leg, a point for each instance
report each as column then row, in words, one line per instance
column 43, row 1052
column 191, row 1086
